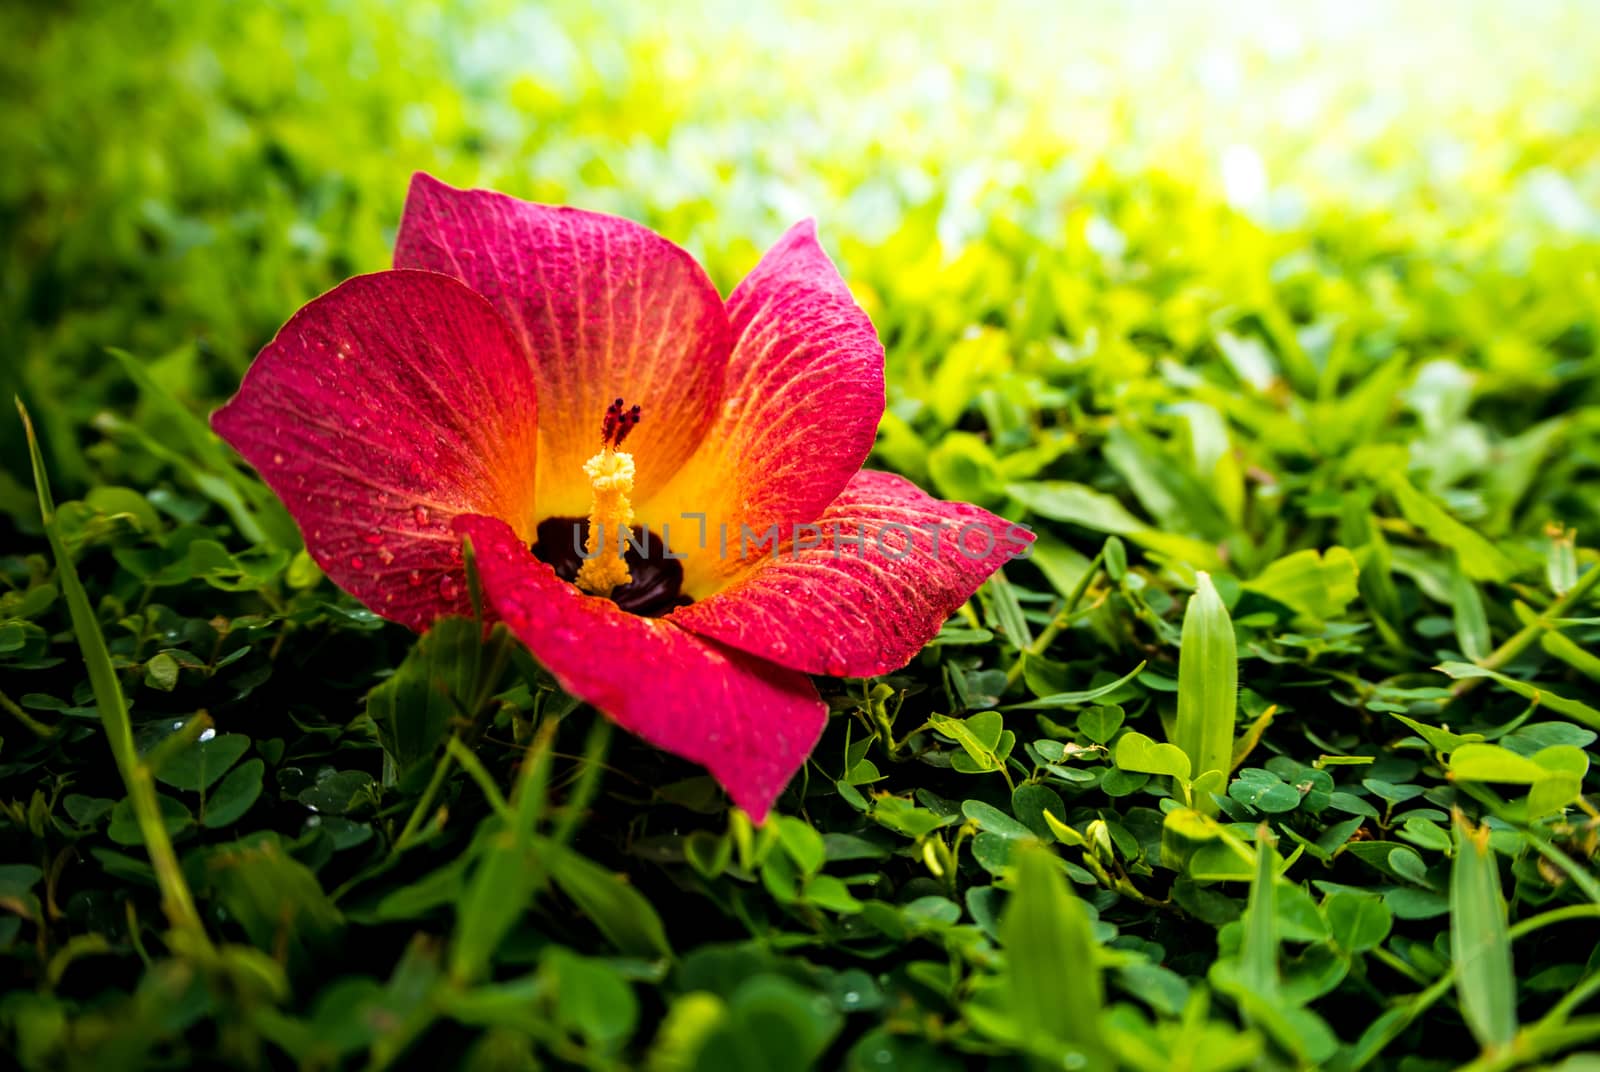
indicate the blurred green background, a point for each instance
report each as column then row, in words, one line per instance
column 1117, row 184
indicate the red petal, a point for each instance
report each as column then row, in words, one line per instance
column 606, row 309
column 751, row 724
column 802, row 402
column 381, row 411
column 835, row 609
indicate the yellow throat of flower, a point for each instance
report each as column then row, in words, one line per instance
column 610, row 474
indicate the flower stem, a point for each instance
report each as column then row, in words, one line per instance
column 1062, row 618
column 491, row 664
column 33, row 725
column 1523, row 639
column 424, row 803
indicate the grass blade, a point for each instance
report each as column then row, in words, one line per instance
column 1258, row 955
column 1208, row 686
column 176, row 900
column 1479, row 944
column 508, row 873
column 1471, row 622
column 1056, row 990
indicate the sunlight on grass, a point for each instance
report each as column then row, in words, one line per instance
column 1275, row 320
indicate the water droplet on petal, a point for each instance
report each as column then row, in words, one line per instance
column 416, row 577
column 420, row 515
column 448, row 588
column 374, row 536
column 356, row 562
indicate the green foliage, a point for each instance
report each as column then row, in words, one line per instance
column 1208, row 691
column 1291, row 367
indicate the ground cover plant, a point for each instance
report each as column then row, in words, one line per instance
column 1274, row 753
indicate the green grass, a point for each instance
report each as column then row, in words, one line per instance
column 1311, row 308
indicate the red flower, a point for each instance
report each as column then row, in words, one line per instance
column 484, row 388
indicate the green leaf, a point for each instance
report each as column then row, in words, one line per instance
column 161, row 672
column 904, row 817
column 803, row 844
column 1076, row 699
column 773, row 1023
column 128, row 829
column 110, row 500
column 963, row 468
column 1258, row 955
column 18, row 880
column 1440, row 740
column 1032, row 803
column 1472, row 623
column 1479, row 945
column 1492, row 763
column 1264, row 790
column 593, row 1000
column 1054, row 985
column 1002, row 597
column 1562, row 647
column 1078, row 504
column 622, row 913
column 990, row 818
column 413, row 709
column 1136, row 752
column 1479, row 559
column 1358, row 921
column 1314, row 584
column 337, row 792
column 978, row 735
column 1168, row 492
column 233, row 797
column 274, row 898
column 198, row 765
column 1573, row 709
column 1100, row 724
column 1208, row 685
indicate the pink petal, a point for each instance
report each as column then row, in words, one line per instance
column 605, row 308
column 381, row 411
column 802, row 402
column 751, row 724
column 842, row 610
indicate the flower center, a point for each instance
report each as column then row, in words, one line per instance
column 656, row 587
column 610, row 474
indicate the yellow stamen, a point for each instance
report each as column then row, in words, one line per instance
column 610, row 476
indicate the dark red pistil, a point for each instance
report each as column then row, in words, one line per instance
column 618, row 423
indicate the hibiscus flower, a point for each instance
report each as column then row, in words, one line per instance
column 663, row 490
